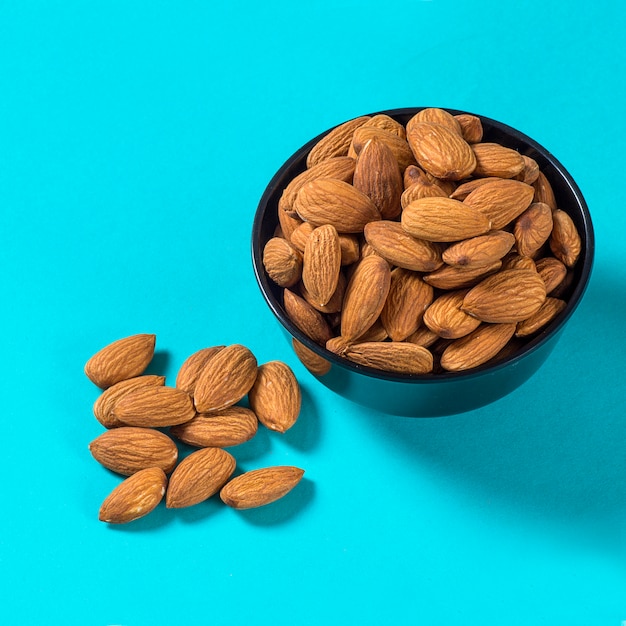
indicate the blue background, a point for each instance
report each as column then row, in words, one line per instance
column 136, row 139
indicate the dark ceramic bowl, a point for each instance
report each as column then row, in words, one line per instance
column 452, row 392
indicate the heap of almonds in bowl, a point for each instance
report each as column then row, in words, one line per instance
column 412, row 245
column 144, row 418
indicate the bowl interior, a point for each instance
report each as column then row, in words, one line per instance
column 568, row 197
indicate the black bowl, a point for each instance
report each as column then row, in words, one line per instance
column 451, row 392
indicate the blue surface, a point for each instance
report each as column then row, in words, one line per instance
column 135, row 142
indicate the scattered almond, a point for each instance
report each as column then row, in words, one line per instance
column 260, row 487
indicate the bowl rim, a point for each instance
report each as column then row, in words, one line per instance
column 535, row 343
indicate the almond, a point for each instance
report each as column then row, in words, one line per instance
column 434, row 115
column 492, row 159
column 398, row 145
column 476, row 348
column 530, row 173
column 288, row 223
column 565, row 241
column 128, row 449
column 329, row 201
column 397, row 356
column 446, row 319
column 275, row 396
column 388, row 124
column 548, row 311
column 440, row 151
column 340, row 168
column 423, row 336
column 192, row 366
column 199, row 476
column 515, row 261
column 365, row 296
column 479, row 251
column 377, row 176
column 335, row 304
column 315, row 363
column 552, row 272
column 322, row 263
column 310, row 321
column 336, row 142
column 228, row 427
column 103, row 406
column 471, row 127
column 408, row 298
column 501, row 200
column 225, row 379
column 300, row 235
column 421, row 189
column 458, row 277
column 396, row 246
column 544, row 192
column 532, row 228
column 443, row 220
column 260, row 487
column 464, row 189
column 154, row 407
column 509, row 296
column 122, row 359
column 282, row 262
column 137, row 496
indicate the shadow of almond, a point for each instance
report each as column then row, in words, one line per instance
column 305, row 433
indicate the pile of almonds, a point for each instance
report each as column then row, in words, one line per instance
column 419, row 248
column 143, row 417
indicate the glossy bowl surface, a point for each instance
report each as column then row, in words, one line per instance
column 451, row 392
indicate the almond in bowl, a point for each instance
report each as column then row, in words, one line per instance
column 454, row 216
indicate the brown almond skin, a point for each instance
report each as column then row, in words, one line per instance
column 448, row 277
column 420, row 190
column 225, row 379
column 310, row 321
column 221, row 429
column 322, row 263
column 199, row 476
column 479, row 251
column 548, row 311
column 335, row 304
column 128, row 449
column 532, row 228
column 435, row 115
column 543, row 191
column 282, row 262
column 396, row 356
column 476, row 348
column 471, row 127
column 445, row 318
column 493, row 159
column 552, row 272
column 122, row 359
column 137, row 496
column 154, row 407
column 443, row 220
column 341, row 168
column 509, row 296
column 329, row 201
column 316, row 364
column 399, row 248
column 365, row 296
column 192, row 366
column 378, row 176
column 260, row 487
column 336, row 142
column 398, row 145
column 565, row 241
column 275, row 396
column 464, row 189
column 440, row 151
column 501, row 200
column 409, row 296
column 388, row 124
column 103, row 406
